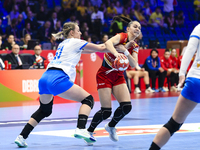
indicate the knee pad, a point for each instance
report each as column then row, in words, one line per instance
column 126, row 107
column 88, row 101
column 172, row 126
column 44, row 110
column 105, row 113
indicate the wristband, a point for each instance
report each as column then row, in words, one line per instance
column 126, row 52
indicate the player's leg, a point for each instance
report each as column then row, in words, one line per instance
column 182, row 109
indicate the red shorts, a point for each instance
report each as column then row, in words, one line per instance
column 109, row 80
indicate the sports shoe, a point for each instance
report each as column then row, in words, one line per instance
column 84, row 134
column 20, row 141
column 112, row 133
column 149, row 90
column 155, row 90
column 137, row 90
column 173, row 89
column 90, row 143
column 161, row 89
column 166, row 89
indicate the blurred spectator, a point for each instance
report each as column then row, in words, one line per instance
column 7, row 45
column 97, row 19
column 53, row 20
column 139, row 16
column 25, row 12
column 116, row 26
column 136, row 74
column 41, row 15
column 82, row 9
column 69, row 8
column 104, row 38
column 140, row 42
column 8, row 5
column 84, row 34
column 36, row 58
column 24, row 42
column 21, row 22
column 44, row 32
column 2, row 65
column 132, row 14
column 15, row 58
column 197, row 9
column 156, row 19
column 166, row 64
column 168, row 7
column 180, row 19
column 84, row 27
column 1, row 30
column 96, row 2
column 88, row 38
column 147, row 10
column 125, row 14
column 32, row 20
column 14, row 13
column 103, row 9
column 111, row 10
column 90, row 8
column 54, row 44
column 170, row 21
column 58, row 27
column 0, row 42
column 119, row 8
column 66, row 4
column 27, row 30
column 153, row 66
column 12, row 29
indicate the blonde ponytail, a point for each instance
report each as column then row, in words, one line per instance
column 58, row 35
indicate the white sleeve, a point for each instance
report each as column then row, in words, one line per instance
column 80, row 44
column 191, row 49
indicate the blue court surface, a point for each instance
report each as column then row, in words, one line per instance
column 136, row 131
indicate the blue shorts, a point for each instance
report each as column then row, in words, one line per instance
column 191, row 89
column 54, row 82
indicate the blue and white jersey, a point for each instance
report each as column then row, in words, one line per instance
column 68, row 55
column 192, row 47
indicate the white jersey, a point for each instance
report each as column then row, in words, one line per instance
column 192, row 47
column 68, row 55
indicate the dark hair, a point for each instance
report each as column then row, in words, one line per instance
column 154, row 50
column 167, row 50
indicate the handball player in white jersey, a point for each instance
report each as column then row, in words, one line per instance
column 190, row 95
column 59, row 80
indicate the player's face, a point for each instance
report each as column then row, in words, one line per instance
column 135, row 29
column 166, row 55
column 77, row 32
column 173, row 53
column 154, row 54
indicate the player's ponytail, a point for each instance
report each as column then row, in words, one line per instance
column 67, row 27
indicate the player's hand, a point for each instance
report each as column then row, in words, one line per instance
column 161, row 69
column 181, row 81
column 142, row 69
column 120, row 56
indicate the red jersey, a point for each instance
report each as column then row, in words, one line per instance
column 109, row 57
column 174, row 62
column 166, row 63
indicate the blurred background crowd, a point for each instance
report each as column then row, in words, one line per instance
column 161, row 20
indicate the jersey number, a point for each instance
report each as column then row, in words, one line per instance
column 58, row 53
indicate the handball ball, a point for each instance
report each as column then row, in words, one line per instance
column 39, row 59
column 121, row 64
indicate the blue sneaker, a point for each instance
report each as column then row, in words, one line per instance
column 161, row 89
column 155, row 90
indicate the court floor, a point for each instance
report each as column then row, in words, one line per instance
column 136, row 131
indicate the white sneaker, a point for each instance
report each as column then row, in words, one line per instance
column 112, row 133
column 20, row 141
column 166, row 89
column 90, row 143
column 149, row 90
column 84, row 134
column 137, row 90
column 173, row 89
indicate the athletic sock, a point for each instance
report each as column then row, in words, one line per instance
column 154, row 146
column 147, row 86
column 136, row 85
column 82, row 120
column 27, row 130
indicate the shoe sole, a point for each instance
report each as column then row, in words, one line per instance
column 19, row 145
column 87, row 140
